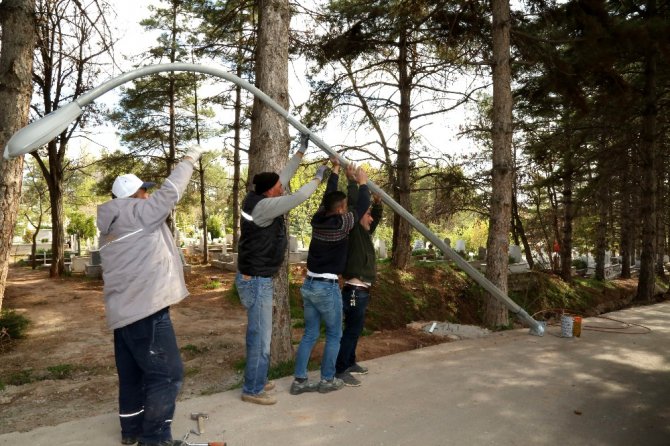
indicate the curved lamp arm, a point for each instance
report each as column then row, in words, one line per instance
column 44, row 130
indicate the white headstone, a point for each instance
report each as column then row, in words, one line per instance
column 418, row 244
column 292, row 243
column 515, row 253
column 460, row 246
column 229, row 239
column 382, row 249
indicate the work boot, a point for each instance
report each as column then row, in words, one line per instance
column 348, row 379
column 261, row 398
column 298, row 387
column 128, row 440
column 326, row 385
column 270, row 385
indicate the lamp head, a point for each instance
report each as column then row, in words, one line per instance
column 40, row 132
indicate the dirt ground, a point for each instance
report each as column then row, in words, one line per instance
column 64, row 368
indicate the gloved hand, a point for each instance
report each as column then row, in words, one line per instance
column 322, row 172
column 304, row 142
column 195, row 152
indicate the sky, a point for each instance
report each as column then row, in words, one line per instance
column 440, row 133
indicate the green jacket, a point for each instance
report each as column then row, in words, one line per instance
column 361, row 262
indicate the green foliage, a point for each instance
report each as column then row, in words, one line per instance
column 61, row 371
column 215, row 226
column 14, row 323
column 212, row 285
column 81, row 225
column 579, row 264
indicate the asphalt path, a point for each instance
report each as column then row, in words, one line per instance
column 608, row 387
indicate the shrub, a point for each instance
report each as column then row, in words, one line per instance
column 14, row 324
column 579, row 264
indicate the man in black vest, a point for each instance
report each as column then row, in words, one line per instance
column 261, row 251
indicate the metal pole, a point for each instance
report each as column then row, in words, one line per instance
column 536, row 328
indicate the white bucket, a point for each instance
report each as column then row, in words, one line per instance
column 566, row 326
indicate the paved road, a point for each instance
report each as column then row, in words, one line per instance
column 508, row 389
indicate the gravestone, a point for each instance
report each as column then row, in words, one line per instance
column 292, row 243
column 481, row 253
column 447, row 241
column 515, row 253
column 418, row 244
column 381, row 248
column 460, row 246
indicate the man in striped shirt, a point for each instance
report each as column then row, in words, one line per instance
column 320, row 292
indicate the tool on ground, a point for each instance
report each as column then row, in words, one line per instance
column 200, row 417
column 211, row 443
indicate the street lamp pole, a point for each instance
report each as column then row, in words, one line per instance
column 40, row 132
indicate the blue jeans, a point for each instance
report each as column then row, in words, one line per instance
column 256, row 295
column 354, row 319
column 321, row 300
column 150, row 376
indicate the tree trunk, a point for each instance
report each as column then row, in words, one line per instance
column 601, row 229
column 568, row 215
column 518, row 225
column 55, row 182
column 660, row 223
column 203, row 210
column 237, row 128
column 269, row 146
column 626, row 220
column 16, row 64
column 401, row 251
column 645, row 287
column 497, row 247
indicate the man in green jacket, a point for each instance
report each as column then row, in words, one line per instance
column 359, row 275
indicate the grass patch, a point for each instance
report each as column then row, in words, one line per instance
column 193, row 349
column 281, row 369
column 212, row 285
column 61, row 371
column 21, row 377
column 191, row 371
column 232, row 295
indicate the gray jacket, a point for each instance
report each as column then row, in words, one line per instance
column 142, row 268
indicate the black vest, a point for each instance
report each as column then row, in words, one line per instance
column 261, row 250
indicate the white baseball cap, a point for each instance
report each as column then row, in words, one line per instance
column 126, row 185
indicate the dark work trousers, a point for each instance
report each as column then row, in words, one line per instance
column 354, row 318
column 150, row 376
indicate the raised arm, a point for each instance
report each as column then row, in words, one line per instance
column 292, row 166
column 363, row 202
column 269, row 208
column 333, row 179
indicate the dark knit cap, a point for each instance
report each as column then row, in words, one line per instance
column 265, row 181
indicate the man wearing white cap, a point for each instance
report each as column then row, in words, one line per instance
column 143, row 275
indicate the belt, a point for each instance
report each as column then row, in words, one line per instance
column 322, row 279
column 355, row 287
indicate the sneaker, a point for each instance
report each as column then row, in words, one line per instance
column 298, row 387
column 348, row 379
column 261, row 398
column 270, row 385
column 326, row 386
column 357, row 369
column 128, row 440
